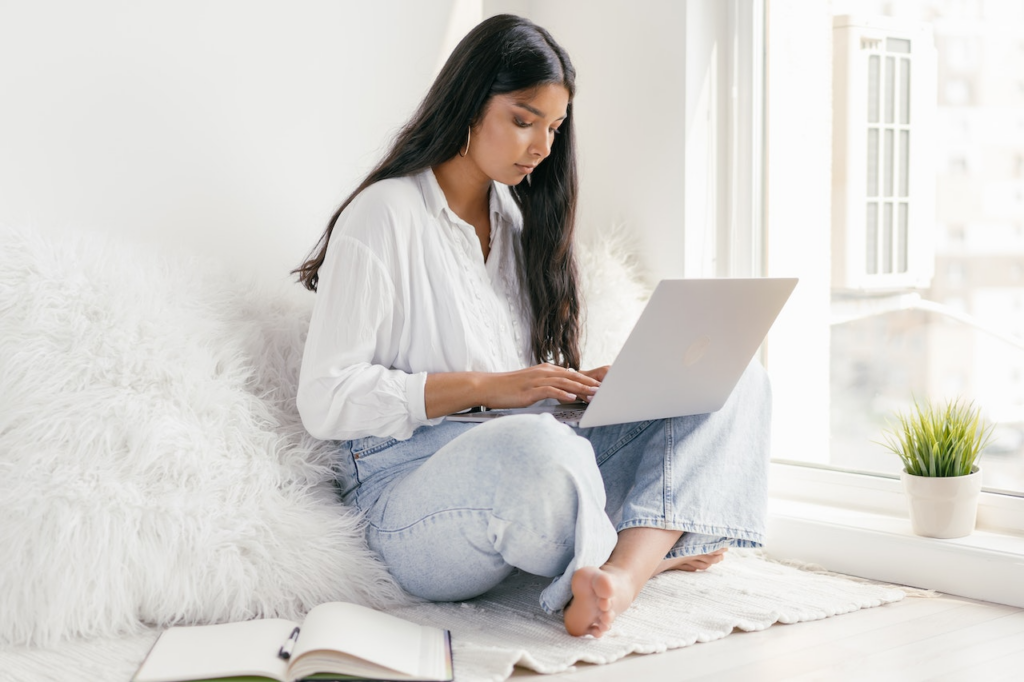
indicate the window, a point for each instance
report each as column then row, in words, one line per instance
column 958, row 332
column 834, row 501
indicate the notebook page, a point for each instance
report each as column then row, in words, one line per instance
column 211, row 651
column 376, row 637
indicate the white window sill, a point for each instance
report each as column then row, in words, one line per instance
column 875, row 543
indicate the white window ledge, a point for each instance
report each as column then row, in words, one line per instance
column 873, row 540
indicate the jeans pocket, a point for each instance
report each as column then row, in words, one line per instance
column 364, row 447
column 376, row 458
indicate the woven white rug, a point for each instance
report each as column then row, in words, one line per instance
column 506, row 627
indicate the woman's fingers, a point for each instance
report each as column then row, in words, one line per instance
column 565, row 390
column 578, row 388
column 553, row 375
column 574, row 386
column 598, row 373
column 596, row 376
column 527, row 386
column 591, row 377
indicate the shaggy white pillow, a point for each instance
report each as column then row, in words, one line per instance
column 615, row 294
column 153, row 469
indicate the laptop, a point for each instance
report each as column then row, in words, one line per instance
column 684, row 356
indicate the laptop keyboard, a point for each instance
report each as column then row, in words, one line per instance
column 569, row 412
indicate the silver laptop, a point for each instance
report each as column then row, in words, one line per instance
column 684, row 356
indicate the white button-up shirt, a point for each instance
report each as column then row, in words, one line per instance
column 404, row 291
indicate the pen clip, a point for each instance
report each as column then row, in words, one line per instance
column 285, row 651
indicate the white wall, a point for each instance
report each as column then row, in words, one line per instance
column 233, row 127
column 236, row 127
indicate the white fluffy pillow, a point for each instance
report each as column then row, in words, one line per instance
column 615, row 294
column 153, row 469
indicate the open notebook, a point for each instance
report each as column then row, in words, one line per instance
column 336, row 640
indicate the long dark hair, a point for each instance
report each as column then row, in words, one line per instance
column 503, row 54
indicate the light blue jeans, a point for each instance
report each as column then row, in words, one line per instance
column 456, row 507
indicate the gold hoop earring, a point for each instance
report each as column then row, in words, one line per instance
column 469, row 136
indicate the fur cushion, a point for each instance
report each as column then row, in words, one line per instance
column 615, row 294
column 153, row 469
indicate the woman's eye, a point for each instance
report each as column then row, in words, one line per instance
column 556, row 131
column 521, row 124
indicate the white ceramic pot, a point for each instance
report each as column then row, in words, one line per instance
column 943, row 507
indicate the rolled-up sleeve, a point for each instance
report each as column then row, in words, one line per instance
column 348, row 387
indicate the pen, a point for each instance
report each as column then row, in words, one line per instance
column 285, row 651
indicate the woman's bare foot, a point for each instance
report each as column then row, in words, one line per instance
column 601, row 594
column 598, row 596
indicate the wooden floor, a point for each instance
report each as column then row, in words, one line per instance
column 940, row 638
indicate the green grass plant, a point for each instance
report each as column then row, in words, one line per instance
column 937, row 441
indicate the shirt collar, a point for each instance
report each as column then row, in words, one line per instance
column 432, row 194
column 503, row 205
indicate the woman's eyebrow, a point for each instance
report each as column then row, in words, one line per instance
column 537, row 112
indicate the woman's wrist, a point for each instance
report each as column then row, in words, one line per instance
column 450, row 392
column 475, row 393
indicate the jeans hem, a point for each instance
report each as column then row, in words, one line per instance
column 708, row 548
column 550, row 610
column 734, row 537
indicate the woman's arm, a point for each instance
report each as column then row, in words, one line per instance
column 347, row 387
column 449, row 392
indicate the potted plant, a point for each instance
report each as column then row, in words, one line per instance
column 939, row 447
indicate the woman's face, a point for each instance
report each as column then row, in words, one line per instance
column 516, row 132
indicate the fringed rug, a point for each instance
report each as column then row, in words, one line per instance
column 506, row 627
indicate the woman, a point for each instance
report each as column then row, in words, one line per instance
column 447, row 281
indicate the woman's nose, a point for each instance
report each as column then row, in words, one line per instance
column 542, row 144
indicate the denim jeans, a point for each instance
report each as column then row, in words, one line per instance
column 457, row 507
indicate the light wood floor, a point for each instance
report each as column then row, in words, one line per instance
column 941, row 638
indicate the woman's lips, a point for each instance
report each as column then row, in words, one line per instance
column 525, row 169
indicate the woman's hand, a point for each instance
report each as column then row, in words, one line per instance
column 451, row 392
column 526, row 386
column 598, row 373
column 595, row 374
